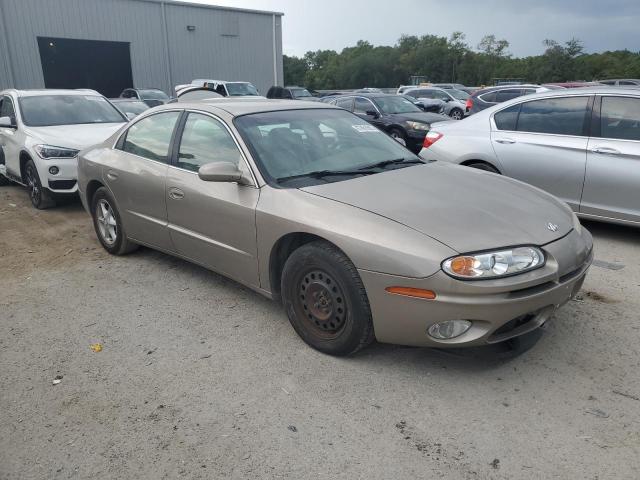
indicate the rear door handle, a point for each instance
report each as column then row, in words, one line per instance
column 111, row 175
column 605, row 151
column 505, row 141
column 176, row 193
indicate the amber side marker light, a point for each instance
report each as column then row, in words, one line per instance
column 412, row 292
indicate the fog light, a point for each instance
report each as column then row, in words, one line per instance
column 54, row 170
column 449, row 329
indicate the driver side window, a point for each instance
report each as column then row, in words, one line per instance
column 6, row 108
column 362, row 105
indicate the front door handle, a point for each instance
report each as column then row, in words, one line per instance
column 176, row 193
column 505, row 141
column 111, row 175
column 605, row 151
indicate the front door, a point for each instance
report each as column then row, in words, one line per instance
column 212, row 223
column 612, row 184
column 137, row 177
column 9, row 147
column 544, row 143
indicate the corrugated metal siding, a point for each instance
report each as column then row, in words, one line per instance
column 212, row 50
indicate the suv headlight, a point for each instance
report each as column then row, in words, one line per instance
column 49, row 151
column 495, row 264
column 419, row 126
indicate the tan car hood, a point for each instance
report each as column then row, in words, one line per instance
column 469, row 210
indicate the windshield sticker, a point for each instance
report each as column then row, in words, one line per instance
column 365, row 128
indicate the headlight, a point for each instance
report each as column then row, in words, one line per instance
column 500, row 263
column 49, row 151
column 419, row 126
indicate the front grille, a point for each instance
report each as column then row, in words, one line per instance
column 62, row 184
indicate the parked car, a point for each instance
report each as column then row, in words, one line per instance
column 488, row 97
column 228, row 89
column 629, row 82
column 357, row 237
column 455, row 86
column 129, row 106
column 403, row 88
column 290, row 93
column 558, row 85
column 151, row 96
column 194, row 93
column 581, row 145
column 392, row 114
column 368, row 90
column 454, row 107
column 41, row 133
column 427, row 104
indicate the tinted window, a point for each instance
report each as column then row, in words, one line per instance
column 362, row 105
column 626, row 82
column 300, row 93
column 238, row 89
column 608, row 82
column 49, row 110
column 346, row 103
column 6, row 108
column 150, row 137
column 153, row 95
column 620, row 118
column 504, row 95
column 508, row 118
column 392, row 104
column 488, row 97
column 205, row 140
column 562, row 116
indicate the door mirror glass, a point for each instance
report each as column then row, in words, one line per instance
column 221, row 172
column 7, row 122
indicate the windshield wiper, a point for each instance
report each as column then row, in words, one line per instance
column 327, row 173
column 396, row 161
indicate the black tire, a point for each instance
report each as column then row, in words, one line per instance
column 484, row 166
column 325, row 300
column 398, row 133
column 456, row 114
column 41, row 198
column 112, row 238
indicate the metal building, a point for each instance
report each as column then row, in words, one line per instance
column 109, row 45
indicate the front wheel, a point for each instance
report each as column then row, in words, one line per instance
column 108, row 224
column 456, row 114
column 41, row 197
column 325, row 300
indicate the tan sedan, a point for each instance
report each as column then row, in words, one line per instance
column 356, row 236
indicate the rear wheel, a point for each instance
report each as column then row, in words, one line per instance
column 325, row 300
column 483, row 166
column 456, row 114
column 108, row 224
column 41, row 197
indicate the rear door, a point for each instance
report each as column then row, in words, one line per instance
column 9, row 138
column 612, row 183
column 212, row 223
column 544, row 143
column 137, row 176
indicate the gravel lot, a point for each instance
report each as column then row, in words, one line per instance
column 201, row 378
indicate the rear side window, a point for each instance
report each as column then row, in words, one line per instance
column 346, row 103
column 620, row 118
column 559, row 116
column 363, row 106
column 626, row 82
column 489, row 97
column 507, row 119
column 504, row 95
column 150, row 137
column 205, row 140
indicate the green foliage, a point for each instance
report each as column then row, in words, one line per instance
column 443, row 59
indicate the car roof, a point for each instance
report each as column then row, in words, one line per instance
column 237, row 107
column 368, row 94
column 122, row 100
column 52, row 91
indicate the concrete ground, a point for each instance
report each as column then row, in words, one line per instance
column 201, row 378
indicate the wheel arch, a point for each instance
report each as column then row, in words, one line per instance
column 466, row 163
column 24, row 157
column 92, row 188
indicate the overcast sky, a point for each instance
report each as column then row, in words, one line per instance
column 335, row 24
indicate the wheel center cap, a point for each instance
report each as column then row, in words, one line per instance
column 319, row 302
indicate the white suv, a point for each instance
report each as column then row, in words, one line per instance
column 41, row 133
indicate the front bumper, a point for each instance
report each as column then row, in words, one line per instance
column 499, row 309
column 65, row 181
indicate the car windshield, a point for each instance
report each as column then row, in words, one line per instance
column 153, row 95
column 132, row 107
column 300, row 92
column 459, row 94
column 395, row 104
column 50, row 110
column 199, row 94
column 241, row 88
column 295, row 148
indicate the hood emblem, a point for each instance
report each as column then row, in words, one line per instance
column 552, row 226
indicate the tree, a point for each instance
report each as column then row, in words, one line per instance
column 295, row 70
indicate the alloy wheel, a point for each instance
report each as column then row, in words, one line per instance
column 34, row 186
column 107, row 224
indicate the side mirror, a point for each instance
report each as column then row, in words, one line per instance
column 446, row 100
column 221, row 172
column 7, row 122
column 373, row 113
column 131, row 115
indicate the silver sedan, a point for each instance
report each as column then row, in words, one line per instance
column 356, row 236
column 582, row 146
